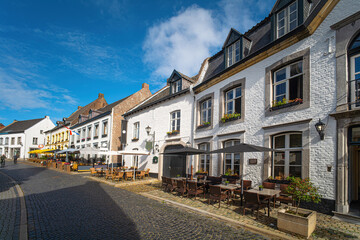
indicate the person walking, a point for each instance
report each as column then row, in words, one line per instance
column 15, row 159
column 3, row 160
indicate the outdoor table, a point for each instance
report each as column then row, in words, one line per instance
column 178, row 178
column 100, row 172
column 200, row 181
column 231, row 187
column 268, row 193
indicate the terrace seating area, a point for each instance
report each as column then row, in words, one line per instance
column 120, row 174
column 222, row 190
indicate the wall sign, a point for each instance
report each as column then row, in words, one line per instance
column 155, row 159
column 252, row 161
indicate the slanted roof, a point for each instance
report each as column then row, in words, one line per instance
column 20, row 126
column 110, row 106
column 180, row 75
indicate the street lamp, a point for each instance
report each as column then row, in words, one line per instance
column 148, row 130
column 320, row 127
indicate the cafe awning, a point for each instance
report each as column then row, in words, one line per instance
column 244, row 147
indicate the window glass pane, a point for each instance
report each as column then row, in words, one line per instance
column 357, row 64
column 237, row 158
column 280, row 141
column 229, row 107
column 280, row 75
column 293, row 16
column 238, row 105
column 296, row 69
column 173, row 115
column 293, row 25
column 203, row 118
column 279, row 172
column 229, row 95
column 293, row 7
column 237, row 51
column 238, row 92
column 209, row 115
column 296, row 87
column 281, row 14
column 209, row 103
column 356, row 43
column 295, row 140
column 355, row 132
column 281, row 89
column 236, row 142
column 228, row 144
column 295, row 158
column 279, row 158
column 204, row 105
column 295, row 171
column 281, row 32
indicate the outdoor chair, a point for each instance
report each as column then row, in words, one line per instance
column 171, row 184
column 246, row 186
column 216, row 194
column 140, row 175
column 181, row 187
column 214, row 180
column 129, row 175
column 118, row 176
column 108, row 174
column 164, row 182
column 232, row 180
column 284, row 197
column 93, row 171
column 269, row 185
column 193, row 189
column 253, row 202
column 147, row 172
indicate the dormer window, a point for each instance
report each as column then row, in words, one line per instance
column 176, row 86
column 233, row 53
column 287, row 19
column 90, row 114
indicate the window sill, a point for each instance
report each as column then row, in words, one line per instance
column 134, row 139
column 203, row 127
column 231, row 119
column 104, row 135
column 173, row 134
column 285, row 106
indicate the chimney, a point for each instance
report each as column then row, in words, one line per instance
column 145, row 85
column 101, row 95
column 79, row 107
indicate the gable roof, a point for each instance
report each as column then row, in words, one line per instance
column 181, row 75
column 110, row 106
column 20, row 126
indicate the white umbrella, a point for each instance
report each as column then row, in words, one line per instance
column 133, row 152
column 89, row 150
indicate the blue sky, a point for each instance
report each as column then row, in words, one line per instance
column 59, row 54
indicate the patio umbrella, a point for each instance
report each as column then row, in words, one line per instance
column 67, row 151
column 243, row 147
column 186, row 151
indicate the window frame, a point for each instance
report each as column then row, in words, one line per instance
column 105, row 126
column 231, row 51
column 35, row 142
column 205, row 164
column 207, row 111
column 287, row 21
column 286, row 80
column 232, row 100
column 232, row 157
column 176, row 86
column 176, row 120
column 96, row 130
column 354, row 83
column 136, row 130
column 286, row 151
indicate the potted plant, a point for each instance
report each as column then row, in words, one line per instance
column 230, row 117
column 261, row 187
column 226, row 182
column 297, row 220
column 204, row 124
column 178, row 175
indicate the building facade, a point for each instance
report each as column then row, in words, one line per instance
column 102, row 128
column 20, row 137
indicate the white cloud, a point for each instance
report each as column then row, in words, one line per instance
column 184, row 41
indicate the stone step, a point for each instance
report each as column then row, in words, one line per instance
column 350, row 218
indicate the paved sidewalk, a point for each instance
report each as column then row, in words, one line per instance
column 9, row 209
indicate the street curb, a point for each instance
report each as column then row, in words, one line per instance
column 23, row 234
column 229, row 220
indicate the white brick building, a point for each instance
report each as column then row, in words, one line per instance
column 20, row 137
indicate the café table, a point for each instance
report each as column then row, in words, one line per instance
column 230, row 187
column 267, row 193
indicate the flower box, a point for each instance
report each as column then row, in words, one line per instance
column 96, row 137
column 303, row 224
column 135, row 139
column 83, row 139
column 204, row 125
column 172, row 133
column 104, row 135
column 89, row 138
column 230, row 117
column 285, row 104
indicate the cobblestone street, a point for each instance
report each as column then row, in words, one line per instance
column 62, row 206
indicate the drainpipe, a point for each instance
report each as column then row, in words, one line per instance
column 193, row 123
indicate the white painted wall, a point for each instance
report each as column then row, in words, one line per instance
column 158, row 118
column 322, row 103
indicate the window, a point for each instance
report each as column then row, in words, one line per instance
column 176, row 86
column 355, row 79
column 233, row 53
column 287, row 20
column 204, row 163
column 18, row 140
column 89, row 132
column 205, row 111
column 175, row 121
column 78, row 136
column 233, row 101
column 35, row 141
column 288, row 84
column 105, row 128
column 96, row 130
column 83, row 134
column 12, row 141
column 232, row 160
column 288, row 162
column 136, row 130
column 6, row 141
